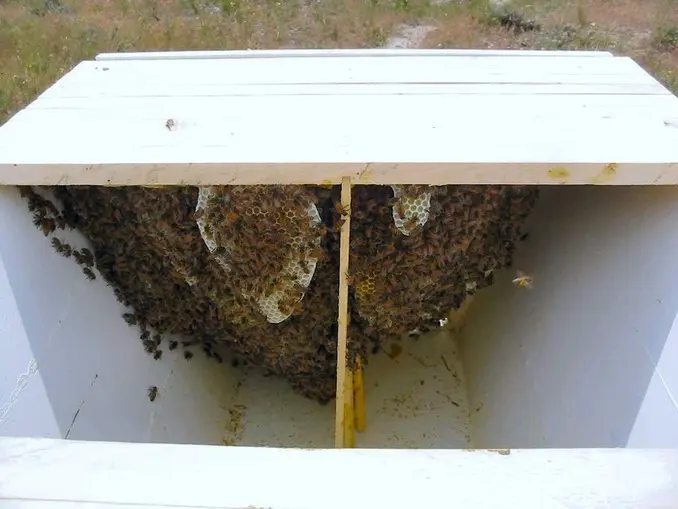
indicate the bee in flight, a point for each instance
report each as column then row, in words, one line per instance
column 522, row 280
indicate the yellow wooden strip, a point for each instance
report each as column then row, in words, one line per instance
column 359, row 398
column 342, row 332
column 349, row 415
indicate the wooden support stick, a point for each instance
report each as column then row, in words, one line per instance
column 342, row 333
column 359, row 398
column 349, row 412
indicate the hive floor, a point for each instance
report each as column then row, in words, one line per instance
column 413, row 400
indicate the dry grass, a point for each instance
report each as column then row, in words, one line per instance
column 42, row 39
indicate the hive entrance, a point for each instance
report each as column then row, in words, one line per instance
column 261, row 269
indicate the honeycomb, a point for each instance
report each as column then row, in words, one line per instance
column 254, row 269
column 300, row 265
column 410, row 211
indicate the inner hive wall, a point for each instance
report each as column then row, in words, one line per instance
column 70, row 366
column 584, row 358
column 589, row 356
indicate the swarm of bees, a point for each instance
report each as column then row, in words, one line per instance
column 409, row 282
column 202, row 272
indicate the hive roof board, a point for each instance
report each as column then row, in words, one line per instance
column 378, row 116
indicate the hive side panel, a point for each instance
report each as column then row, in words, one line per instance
column 93, row 366
column 577, row 360
column 660, row 400
column 41, row 472
column 25, row 409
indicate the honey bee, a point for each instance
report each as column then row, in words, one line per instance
column 48, row 226
column 130, row 318
column 157, row 355
column 88, row 272
column 411, row 223
column 118, row 294
column 152, row 393
column 522, row 280
column 188, row 355
column 87, row 257
column 61, row 247
column 170, row 124
column 418, row 228
column 218, row 357
column 173, row 345
column 339, row 207
column 78, row 257
column 338, row 225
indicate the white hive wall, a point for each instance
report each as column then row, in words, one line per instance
column 589, row 356
column 584, row 359
column 70, row 366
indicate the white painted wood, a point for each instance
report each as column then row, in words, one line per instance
column 377, row 119
column 314, row 70
column 41, row 473
column 367, row 52
column 588, row 356
column 71, row 366
column 142, row 95
column 416, row 397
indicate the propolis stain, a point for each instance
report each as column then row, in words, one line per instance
column 606, row 174
column 559, row 173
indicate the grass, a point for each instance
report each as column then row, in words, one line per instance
column 42, row 39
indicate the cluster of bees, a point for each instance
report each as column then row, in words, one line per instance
column 404, row 283
column 147, row 246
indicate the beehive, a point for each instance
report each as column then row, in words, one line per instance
column 539, row 365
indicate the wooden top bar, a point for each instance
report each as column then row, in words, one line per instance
column 377, row 116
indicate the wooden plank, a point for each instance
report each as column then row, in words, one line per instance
column 201, row 174
column 44, row 473
column 434, row 70
column 359, row 398
column 151, row 95
column 241, row 103
column 420, row 119
column 226, row 143
column 343, row 376
column 349, row 411
column 367, row 52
